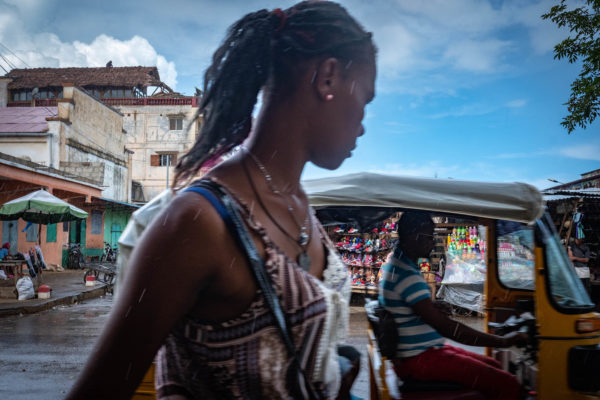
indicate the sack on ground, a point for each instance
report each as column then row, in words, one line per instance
column 25, row 288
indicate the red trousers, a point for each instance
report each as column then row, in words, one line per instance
column 453, row 364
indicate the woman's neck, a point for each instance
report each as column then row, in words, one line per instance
column 279, row 150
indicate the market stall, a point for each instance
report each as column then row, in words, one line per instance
column 365, row 201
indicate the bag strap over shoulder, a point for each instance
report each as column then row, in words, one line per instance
column 223, row 204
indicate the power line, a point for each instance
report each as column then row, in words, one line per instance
column 13, row 53
column 10, row 65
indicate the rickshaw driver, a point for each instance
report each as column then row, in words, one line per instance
column 421, row 352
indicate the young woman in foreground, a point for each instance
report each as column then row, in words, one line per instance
column 189, row 293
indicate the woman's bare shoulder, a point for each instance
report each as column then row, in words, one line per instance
column 187, row 230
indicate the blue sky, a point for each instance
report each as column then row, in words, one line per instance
column 466, row 89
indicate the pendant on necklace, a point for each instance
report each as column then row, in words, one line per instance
column 303, row 240
column 304, row 261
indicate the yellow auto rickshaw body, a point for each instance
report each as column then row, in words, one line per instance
column 566, row 328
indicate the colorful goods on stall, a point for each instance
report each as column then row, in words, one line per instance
column 365, row 253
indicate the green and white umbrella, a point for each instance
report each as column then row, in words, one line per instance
column 40, row 207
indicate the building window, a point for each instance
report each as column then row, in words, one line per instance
column 31, row 233
column 65, row 227
column 175, row 124
column 163, row 160
column 96, row 222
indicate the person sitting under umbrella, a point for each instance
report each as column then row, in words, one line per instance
column 5, row 251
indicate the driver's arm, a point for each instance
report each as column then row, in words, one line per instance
column 459, row 332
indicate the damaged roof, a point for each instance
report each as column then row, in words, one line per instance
column 29, row 78
column 25, row 119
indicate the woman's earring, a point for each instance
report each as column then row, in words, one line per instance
column 329, row 97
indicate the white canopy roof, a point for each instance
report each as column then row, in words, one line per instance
column 511, row 201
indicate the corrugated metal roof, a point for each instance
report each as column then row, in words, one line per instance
column 562, row 194
column 25, row 119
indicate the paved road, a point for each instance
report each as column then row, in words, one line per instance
column 41, row 354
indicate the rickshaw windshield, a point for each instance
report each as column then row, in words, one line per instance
column 515, row 255
column 566, row 289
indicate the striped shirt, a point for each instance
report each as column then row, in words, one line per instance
column 401, row 287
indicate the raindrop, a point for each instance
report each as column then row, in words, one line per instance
column 142, row 295
column 198, row 213
column 128, row 371
column 273, row 155
column 352, row 87
column 128, row 311
column 165, row 220
column 348, row 64
column 313, row 77
column 232, row 261
column 455, row 329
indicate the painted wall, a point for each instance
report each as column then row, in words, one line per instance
column 95, row 124
column 30, row 148
column 94, row 137
column 52, row 251
column 94, row 243
column 148, row 133
column 108, row 173
column 4, row 91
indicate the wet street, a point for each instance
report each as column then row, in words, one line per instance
column 41, row 354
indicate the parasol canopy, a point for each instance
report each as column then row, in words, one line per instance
column 40, row 207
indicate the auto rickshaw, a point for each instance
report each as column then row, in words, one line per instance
column 546, row 300
column 562, row 358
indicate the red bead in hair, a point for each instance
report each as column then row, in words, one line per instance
column 282, row 19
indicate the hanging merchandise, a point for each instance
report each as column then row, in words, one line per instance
column 577, row 218
column 364, row 253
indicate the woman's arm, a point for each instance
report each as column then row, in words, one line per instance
column 177, row 256
column 461, row 333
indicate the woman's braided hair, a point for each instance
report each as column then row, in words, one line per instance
column 266, row 47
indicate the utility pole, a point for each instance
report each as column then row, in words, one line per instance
column 168, row 165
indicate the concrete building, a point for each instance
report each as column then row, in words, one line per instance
column 19, row 177
column 160, row 124
column 80, row 136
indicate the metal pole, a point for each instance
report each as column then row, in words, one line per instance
column 168, row 165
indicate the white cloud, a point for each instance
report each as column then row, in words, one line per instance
column 517, row 103
column 430, row 169
column 588, row 151
column 48, row 50
column 466, row 110
column 483, row 56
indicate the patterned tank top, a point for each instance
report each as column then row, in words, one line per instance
column 245, row 357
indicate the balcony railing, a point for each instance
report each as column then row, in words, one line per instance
column 125, row 101
column 152, row 101
column 38, row 103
